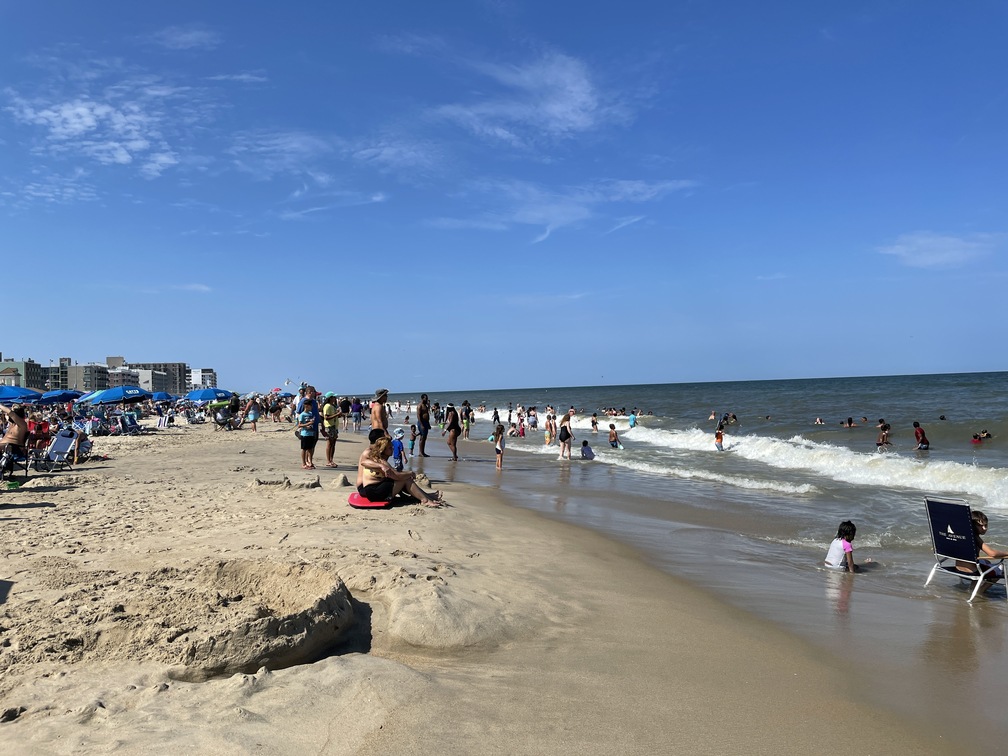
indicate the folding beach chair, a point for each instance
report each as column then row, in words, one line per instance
column 59, row 453
column 132, row 427
column 954, row 542
column 11, row 461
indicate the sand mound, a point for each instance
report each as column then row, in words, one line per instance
column 218, row 617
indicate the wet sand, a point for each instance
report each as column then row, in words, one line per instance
column 478, row 627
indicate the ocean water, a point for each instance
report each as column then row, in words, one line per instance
column 751, row 524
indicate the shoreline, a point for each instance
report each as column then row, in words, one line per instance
column 545, row 637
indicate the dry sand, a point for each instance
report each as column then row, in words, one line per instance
column 184, row 595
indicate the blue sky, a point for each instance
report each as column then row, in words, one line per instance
column 452, row 195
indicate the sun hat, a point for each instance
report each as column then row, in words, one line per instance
column 399, row 433
column 378, row 394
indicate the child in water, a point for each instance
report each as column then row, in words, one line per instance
column 586, row 451
column 413, row 435
column 499, row 444
column 841, row 552
column 719, row 438
column 614, row 441
column 983, row 550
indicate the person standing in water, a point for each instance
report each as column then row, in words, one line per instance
column 922, row 442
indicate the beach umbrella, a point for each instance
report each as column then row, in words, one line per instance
column 17, row 394
column 60, row 396
column 162, row 396
column 207, row 394
column 121, row 395
column 285, row 395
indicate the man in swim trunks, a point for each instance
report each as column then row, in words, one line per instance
column 922, row 442
column 17, row 430
column 379, row 414
column 423, row 423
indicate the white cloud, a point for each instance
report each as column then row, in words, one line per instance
column 395, row 154
column 268, row 153
column 926, row 249
column 553, row 97
column 241, row 78
column 194, row 287
column 525, row 203
column 192, row 37
column 624, row 222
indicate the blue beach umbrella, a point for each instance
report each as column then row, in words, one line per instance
column 120, row 395
column 207, row 395
column 17, row 394
column 59, row 396
column 162, row 396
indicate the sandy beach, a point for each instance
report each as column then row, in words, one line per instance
column 199, row 591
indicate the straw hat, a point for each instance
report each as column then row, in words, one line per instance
column 380, row 394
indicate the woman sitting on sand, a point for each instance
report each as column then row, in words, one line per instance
column 378, row 481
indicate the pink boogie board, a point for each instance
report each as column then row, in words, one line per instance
column 359, row 502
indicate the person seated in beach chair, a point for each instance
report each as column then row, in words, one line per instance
column 38, row 432
column 132, row 426
column 959, row 549
column 13, row 444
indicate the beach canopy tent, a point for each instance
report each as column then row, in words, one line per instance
column 954, row 541
column 207, row 395
column 59, row 396
column 17, row 394
column 121, row 395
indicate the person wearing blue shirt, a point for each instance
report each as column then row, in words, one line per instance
column 308, row 419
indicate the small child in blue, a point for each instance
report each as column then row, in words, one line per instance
column 841, row 553
column 586, row 451
column 413, row 436
column 398, row 450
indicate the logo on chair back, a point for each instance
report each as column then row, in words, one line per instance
column 951, row 535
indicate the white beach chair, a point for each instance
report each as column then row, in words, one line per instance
column 954, row 542
column 59, row 452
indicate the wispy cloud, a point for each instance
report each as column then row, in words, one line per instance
column 553, row 97
column 926, row 249
column 624, row 222
column 197, row 288
column 54, row 189
column 265, row 154
column 110, row 116
column 191, row 37
column 525, row 203
column 338, row 200
column 397, row 154
column 248, row 77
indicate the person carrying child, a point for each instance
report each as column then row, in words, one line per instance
column 841, row 551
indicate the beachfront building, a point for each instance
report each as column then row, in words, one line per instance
column 92, row 376
column 123, row 376
column 152, row 380
column 203, row 378
column 29, row 373
column 10, row 376
column 177, row 372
